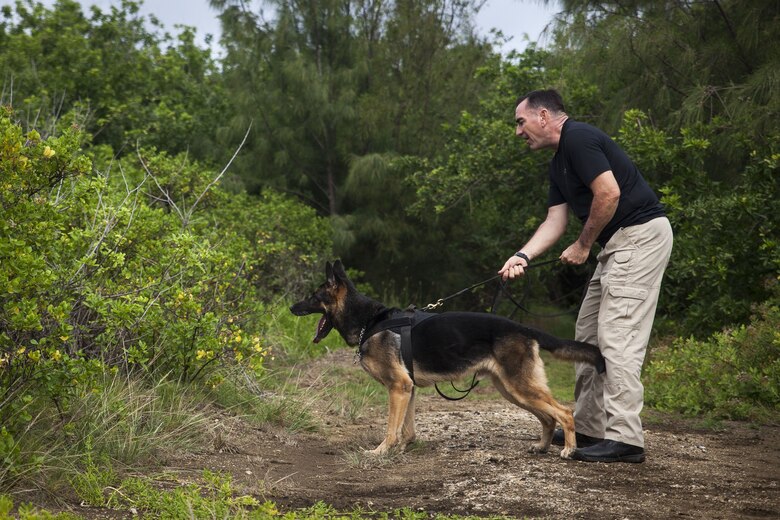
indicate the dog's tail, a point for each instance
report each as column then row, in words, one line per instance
column 571, row 350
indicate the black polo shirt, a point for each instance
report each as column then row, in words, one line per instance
column 585, row 152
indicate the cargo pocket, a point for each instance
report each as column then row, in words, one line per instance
column 623, row 302
column 621, row 266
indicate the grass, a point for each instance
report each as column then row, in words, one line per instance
column 560, row 377
column 129, row 421
column 213, row 496
column 352, row 393
column 272, row 399
column 126, row 423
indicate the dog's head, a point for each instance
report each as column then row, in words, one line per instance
column 328, row 299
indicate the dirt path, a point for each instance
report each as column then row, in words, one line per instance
column 471, row 458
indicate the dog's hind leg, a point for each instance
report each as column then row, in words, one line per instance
column 548, row 422
column 548, row 426
column 539, row 401
column 399, row 399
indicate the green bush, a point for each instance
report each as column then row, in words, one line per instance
column 122, row 79
column 735, row 374
column 139, row 266
column 725, row 245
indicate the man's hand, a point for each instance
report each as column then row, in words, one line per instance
column 513, row 267
column 575, row 254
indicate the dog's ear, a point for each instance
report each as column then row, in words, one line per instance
column 329, row 274
column 338, row 270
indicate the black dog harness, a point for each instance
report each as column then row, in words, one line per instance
column 402, row 323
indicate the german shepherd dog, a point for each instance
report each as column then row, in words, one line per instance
column 446, row 347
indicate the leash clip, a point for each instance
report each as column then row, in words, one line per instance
column 436, row 305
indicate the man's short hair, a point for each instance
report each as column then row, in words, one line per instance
column 549, row 99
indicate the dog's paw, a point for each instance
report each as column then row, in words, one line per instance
column 538, row 448
column 566, row 453
column 377, row 452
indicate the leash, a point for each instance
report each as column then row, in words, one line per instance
column 440, row 301
column 464, row 393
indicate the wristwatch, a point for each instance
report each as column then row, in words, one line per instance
column 523, row 256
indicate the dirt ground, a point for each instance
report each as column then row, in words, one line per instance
column 471, row 458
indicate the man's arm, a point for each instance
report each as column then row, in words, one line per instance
column 606, row 195
column 545, row 236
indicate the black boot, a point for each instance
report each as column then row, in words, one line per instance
column 610, row 451
column 582, row 439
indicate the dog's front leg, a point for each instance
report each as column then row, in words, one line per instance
column 408, row 434
column 400, row 395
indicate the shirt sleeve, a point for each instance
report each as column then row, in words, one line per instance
column 586, row 154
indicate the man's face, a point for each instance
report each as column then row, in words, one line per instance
column 529, row 126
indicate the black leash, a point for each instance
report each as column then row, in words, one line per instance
column 464, row 393
column 440, row 301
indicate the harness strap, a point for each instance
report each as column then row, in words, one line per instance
column 406, row 349
column 403, row 326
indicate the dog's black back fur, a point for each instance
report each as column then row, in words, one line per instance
column 452, row 341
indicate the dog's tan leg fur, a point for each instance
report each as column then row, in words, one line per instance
column 399, row 400
column 540, row 402
column 408, row 434
column 522, row 381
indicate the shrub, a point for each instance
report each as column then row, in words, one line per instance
column 735, row 374
column 142, row 266
column 725, row 244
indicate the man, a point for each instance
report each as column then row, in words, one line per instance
column 591, row 175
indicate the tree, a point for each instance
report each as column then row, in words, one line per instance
column 338, row 91
column 684, row 63
column 330, row 80
column 110, row 75
column 486, row 191
column 704, row 76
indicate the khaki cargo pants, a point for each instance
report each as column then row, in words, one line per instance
column 617, row 315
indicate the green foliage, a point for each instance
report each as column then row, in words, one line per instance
column 684, row 63
column 29, row 512
column 486, row 193
column 273, row 399
column 9, row 456
column 147, row 268
column 129, row 421
column 214, row 496
column 340, row 80
column 734, row 374
column 90, row 484
column 124, row 421
column 111, row 75
column 726, row 246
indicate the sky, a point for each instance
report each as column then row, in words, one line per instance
column 522, row 20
